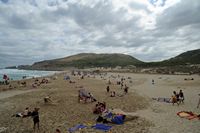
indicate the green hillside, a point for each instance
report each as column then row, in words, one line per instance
column 186, row 58
column 87, row 60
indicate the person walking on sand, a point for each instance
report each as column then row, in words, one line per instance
column 152, row 81
column 35, row 116
column 198, row 102
column 181, row 96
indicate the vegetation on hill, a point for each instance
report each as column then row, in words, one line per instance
column 91, row 60
column 186, row 58
column 87, row 60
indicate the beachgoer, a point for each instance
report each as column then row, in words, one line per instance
column 181, row 96
column 122, row 84
column 198, row 102
column 23, row 84
column 92, row 97
column 72, row 82
column 35, row 116
column 112, row 94
column 152, row 81
column 126, row 89
column 25, row 113
column 175, row 98
column 47, row 99
column 108, row 88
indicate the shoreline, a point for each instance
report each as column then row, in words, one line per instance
column 18, row 74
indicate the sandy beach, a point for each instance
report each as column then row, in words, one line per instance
column 66, row 112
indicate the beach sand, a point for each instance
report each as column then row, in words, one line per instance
column 66, row 112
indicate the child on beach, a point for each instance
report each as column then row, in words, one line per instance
column 35, row 116
column 175, row 98
column 181, row 95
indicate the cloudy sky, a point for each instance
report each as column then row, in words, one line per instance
column 150, row 30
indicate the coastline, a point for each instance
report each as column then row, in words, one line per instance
column 20, row 74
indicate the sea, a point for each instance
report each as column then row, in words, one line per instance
column 15, row 74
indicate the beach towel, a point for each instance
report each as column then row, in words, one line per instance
column 118, row 119
column 188, row 115
column 162, row 99
column 77, row 127
column 102, row 127
column 115, row 118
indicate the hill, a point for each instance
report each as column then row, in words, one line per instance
column 187, row 58
column 86, row 60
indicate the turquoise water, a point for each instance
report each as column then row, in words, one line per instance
column 15, row 74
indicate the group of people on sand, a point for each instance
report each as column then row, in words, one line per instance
column 27, row 113
column 37, row 82
column 22, row 83
column 178, row 97
column 113, row 93
column 85, row 96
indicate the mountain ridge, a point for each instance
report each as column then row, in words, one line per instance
column 88, row 60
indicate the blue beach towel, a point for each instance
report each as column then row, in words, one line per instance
column 118, row 119
column 102, row 127
column 77, row 127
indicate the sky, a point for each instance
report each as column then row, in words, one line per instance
column 149, row 30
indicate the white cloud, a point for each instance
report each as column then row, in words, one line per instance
column 34, row 30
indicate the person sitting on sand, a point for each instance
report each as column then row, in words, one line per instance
column 71, row 82
column 92, row 97
column 36, row 120
column 23, row 84
column 47, row 99
column 181, row 96
column 10, row 87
